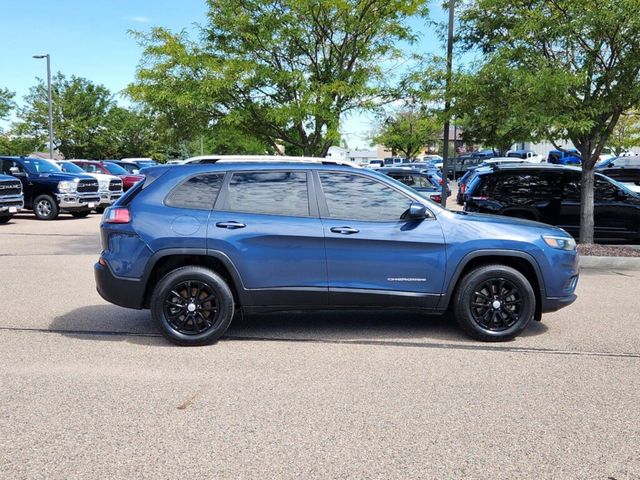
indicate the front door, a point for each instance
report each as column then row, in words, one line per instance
column 374, row 257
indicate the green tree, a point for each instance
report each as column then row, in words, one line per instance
column 80, row 108
column 6, row 103
column 284, row 71
column 578, row 63
column 491, row 107
column 626, row 133
column 408, row 131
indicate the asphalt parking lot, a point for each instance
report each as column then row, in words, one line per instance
column 90, row 390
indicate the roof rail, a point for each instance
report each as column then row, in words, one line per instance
column 267, row 159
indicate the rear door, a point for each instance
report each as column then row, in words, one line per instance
column 374, row 257
column 267, row 223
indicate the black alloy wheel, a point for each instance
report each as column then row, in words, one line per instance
column 192, row 305
column 494, row 303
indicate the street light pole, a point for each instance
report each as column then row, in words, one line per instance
column 447, row 106
column 47, row 56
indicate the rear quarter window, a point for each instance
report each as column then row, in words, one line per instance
column 199, row 192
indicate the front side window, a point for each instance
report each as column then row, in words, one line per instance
column 355, row 197
column 269, row 193
column 199, row 192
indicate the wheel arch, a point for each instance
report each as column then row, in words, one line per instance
column 167, row 260
column 520, row 261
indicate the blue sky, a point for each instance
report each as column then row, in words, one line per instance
column 89, row 38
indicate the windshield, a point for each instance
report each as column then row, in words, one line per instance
column 38, row 165
column 115, row 169
column 70, row 167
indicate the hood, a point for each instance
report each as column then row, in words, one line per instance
column 509, row 226
column 62, row 176
column 103, row 176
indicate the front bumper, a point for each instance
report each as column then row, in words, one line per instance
column 553, row 304
column 11, row 204
column 125, row 292
column 70, row 201
column 108, row 198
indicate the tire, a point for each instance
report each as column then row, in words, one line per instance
column 99, row 210
column 5, row 219
column 80, row 213
column 494, row 303
column 201, row 311
column 45, row 208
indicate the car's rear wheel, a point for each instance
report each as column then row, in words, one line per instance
column 45, row 208
column 192, row 306
column 494, row 303
column 80, row 213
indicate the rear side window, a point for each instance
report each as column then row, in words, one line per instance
column 269, row 193
column 415, row 181
column 199, row 192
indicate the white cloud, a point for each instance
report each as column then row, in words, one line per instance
column 140, row 19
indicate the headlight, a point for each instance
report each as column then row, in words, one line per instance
column 67, row 187
column 561, row 243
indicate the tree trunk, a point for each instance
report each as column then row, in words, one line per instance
column 586, row 204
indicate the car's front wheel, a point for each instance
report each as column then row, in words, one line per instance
column 192, row 306
column 45, row 208
column 5, row 219
column 494, row 303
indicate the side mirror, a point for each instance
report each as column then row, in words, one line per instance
column 16, row 171
column 417, row 211
column 621, row 194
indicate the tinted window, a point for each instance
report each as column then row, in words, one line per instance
column 521, row 187
column 354, row 197
column 198, row 192
column 414, row 181
column 270, row 193
column 602, row 189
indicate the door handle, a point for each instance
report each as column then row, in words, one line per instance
column 344, row 230
column 230, row 225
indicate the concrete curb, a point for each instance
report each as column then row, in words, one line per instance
column 619, row 263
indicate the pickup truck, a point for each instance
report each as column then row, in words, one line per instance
column 11, row 198
column 49, row 191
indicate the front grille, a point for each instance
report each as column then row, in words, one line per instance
column 87, row 186
column 10, row 188
column 11, row 203
column 115, row 185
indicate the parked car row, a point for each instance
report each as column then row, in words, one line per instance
column 552, row 194
column 49, row 188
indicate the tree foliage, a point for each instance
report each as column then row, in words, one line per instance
column 626, row 133
column 6, row 103
column 578, row 65
column 408, row 131
column 284, row 71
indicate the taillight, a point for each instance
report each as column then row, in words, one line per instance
column 436, row 198
column 440, row 182
column 463, row 187
column 117, row 215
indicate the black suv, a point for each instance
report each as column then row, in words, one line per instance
column 11, row 198
column 622, row 169
column 48, row 190
column 551, row 194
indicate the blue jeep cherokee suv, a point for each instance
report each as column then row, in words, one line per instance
column 194, row 243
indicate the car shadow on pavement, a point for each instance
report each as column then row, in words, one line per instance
column 112, row 323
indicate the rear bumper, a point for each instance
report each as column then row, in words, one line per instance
column 124, row 292
column 553, row 304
